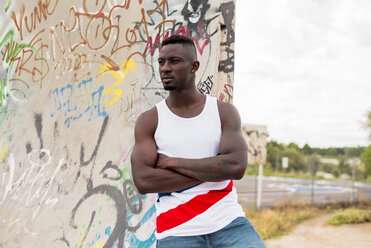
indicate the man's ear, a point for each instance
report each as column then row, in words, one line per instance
column 195, row 66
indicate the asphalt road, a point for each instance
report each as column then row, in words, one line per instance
column 276, row 190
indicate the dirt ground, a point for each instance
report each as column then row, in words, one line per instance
column 315, row 233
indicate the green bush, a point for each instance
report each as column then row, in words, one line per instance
column 350, row 216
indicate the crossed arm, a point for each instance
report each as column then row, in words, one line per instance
column 147, row 177
column 155, row 173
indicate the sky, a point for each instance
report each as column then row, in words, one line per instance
column 303, row 69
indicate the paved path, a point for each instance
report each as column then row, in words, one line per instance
column 315, row 233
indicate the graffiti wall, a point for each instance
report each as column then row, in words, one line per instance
column 74, row 76
column 256, row 139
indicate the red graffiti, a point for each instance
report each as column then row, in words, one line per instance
column 183, row 30
column 228, row 91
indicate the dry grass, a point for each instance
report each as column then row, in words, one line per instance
column 280, row 219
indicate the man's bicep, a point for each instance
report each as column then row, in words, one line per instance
column 144, row 150
column 232, row 142
column 144, row 154
column 232, row 139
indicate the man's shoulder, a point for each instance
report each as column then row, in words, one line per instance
column 228, row 113
column 147, row 119
column 226, row 107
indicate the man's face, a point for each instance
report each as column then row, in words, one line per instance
column 175, row 66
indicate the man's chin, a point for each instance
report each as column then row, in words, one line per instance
column 169, row 88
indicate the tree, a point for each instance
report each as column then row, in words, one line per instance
column 354, row 151
column 307, row 149
column 294, row 146
column 366, row 159
column 344, row 167
column 335, row 171
column 274, row 154
column 328, row 168
column 296, row 160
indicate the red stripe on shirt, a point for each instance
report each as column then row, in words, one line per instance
column 187, row 211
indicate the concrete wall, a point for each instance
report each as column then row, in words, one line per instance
column 256, row 139
column 74, row 76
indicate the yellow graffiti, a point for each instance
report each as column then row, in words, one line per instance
column 99, row 245
column 3, row 151
column 113, row 89
column 126, row 65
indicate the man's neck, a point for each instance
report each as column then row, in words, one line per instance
column 184, row 98
column 186, row 105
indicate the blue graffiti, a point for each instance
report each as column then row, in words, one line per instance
column 108, row 230
column 132, row 239
column 95, row 240
column 72, row 102
column 98, row 236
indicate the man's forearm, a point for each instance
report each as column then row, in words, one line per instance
column 212, row 169
column 156, row 180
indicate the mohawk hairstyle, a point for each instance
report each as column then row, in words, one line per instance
column 180, row 39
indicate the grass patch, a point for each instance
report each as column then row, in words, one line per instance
column 350, row 216
column 279, row 220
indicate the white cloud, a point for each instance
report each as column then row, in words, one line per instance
column 303, row 69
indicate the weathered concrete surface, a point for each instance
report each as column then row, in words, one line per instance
column 74, row 76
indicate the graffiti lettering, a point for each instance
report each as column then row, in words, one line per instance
column 206, row 86
column 33, row 185
column 227, row 63
column 117, row 198
column 78, row 104
column 227, row 94
column 42, row 10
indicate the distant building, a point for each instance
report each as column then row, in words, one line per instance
column 344, row 176
column 355, row 162
column 329, row 161
column 325, row 175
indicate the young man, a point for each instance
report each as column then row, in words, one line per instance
column 188, row 149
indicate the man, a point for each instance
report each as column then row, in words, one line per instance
column 188, row 149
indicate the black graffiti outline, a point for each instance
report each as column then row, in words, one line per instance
column 227, row 10
column 206, row 86
column 116, row 195
column 109, row 165
column 94, row 154
column 122, row 201
column 195, row 4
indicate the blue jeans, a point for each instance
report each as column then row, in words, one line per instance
column 240, row 233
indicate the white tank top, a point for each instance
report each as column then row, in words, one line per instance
column 204, row 208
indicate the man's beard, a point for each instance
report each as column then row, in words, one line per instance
column 169, row 88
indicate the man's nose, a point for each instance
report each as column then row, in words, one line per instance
column 165, row 67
